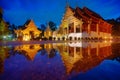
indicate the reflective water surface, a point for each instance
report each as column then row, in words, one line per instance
column 61, row 61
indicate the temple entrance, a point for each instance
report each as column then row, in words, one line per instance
column 32, row 35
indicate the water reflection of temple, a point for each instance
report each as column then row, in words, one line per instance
column 76, row 56
column 29, row 51
column 82, row 57
column 50, row 49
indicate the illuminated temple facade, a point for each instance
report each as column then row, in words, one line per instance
column 28, row 32
column 83, row 23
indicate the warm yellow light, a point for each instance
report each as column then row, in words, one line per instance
column 26, row 38
column 105, row 41
column 110, row 41
column 105, row 37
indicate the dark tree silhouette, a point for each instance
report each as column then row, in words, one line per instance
column 13, row 26
column 42, row 27
column 118, row 19
column 1, row 15
column 52, row 25
column 115, row 27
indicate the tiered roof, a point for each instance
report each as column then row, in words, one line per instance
column 85, row 13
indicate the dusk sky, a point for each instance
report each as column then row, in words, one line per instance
column 42, row 11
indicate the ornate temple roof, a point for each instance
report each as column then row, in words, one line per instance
column 85, row 13
column 88, row 11
column 27, row 22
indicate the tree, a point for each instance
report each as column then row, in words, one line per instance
column 115, row 27
column 118, row 19
column 4, row 31
column 52, row 25
column 1, row 15
column 2, row 27
column 42, row 28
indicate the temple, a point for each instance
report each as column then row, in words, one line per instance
column 83, row 23
column 28, row 32
column 48, row 32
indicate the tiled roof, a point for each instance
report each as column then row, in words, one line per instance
column 85, row 13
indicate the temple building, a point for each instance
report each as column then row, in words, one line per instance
column 28, row 32
column 48, row 32
column 83, row 23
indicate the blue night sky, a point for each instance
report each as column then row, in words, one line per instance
column 42, row 11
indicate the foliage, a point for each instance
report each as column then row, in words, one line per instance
column 2, row 26
column 52, row 25
column 1, row 14
column 42, row 27
column 4, row 29
column 115, row 27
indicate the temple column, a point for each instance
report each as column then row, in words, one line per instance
column 74, row 28
column 74, row 51
column 89, row 28
column 80, row 28
column 89, row 48
column 97, row 28
column 97, row 51
column 80, row 25
column 80, row 50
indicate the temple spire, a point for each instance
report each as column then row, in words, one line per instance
column 67, row 3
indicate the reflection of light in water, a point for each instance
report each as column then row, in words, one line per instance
column 111, row 41
column 73, row 54
column 30, row 50
column 105, row 37
column 81, row 56
column 77, row 44
column 108, row 41
column 105, row 41
column 74, row 57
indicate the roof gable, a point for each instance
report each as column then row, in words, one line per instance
column 90, row 12
column 30, row 26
